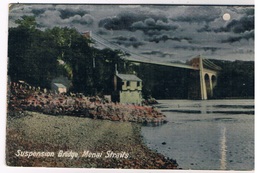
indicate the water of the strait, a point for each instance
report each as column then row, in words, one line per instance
column 211, row 135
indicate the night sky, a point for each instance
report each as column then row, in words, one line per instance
column 160, row 32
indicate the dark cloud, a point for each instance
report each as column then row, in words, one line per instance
column 85, row 19
column 198, row 48
column 153, row 29
column 51, row 18
column 38, row 11
column 242, row 28
column 123, row 21
column 151, row 24
column 157, row 53
column 242, row 25
column 247, row 35
column 244, row 11
column 67, row 13
column 159, row 38
column 211, row 48
column 165, row 37
column 153, row 32
column 199, row 14
column 206, row 28
column 132, row 41
column 102, row 31
column 133, row 21
column 48, row 16
column 250, row 11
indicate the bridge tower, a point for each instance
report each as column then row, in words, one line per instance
column 203, row 73
column 203, row 80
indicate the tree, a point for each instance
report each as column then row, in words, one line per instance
column 27, row 22
column 21, row 60
column 31, row 57
column 37, row 57
column 236, row 80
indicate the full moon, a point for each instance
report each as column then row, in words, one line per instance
column 226, row 16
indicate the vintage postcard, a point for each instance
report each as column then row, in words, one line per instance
column 135, row 86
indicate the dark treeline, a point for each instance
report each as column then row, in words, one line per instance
column 162, row 82
column 235, row 80
column 38, row 57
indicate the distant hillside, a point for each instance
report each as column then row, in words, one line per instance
column 236, row 79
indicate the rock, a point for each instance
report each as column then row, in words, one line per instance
column 78, row 105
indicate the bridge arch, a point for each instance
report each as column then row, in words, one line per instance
column 202, row 69
column 208, row 85
column 214, row 80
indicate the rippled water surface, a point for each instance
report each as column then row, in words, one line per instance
column 212, row 135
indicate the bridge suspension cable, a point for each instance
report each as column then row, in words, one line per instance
column 144, row 59
column 211, row 65
column 113, row 46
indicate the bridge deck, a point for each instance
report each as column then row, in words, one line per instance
column 162, row 63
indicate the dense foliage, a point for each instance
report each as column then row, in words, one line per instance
column 163, row 82
column 236, row 79
column 38, row 57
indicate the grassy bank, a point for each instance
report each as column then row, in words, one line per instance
column 38, row 132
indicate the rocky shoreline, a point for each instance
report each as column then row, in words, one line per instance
column 40, row 133
column 55, row 125
column 24, row 98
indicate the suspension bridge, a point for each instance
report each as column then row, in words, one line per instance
column 203, row 70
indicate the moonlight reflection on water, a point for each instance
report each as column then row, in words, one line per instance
column 223, row 149
column 207, row 135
